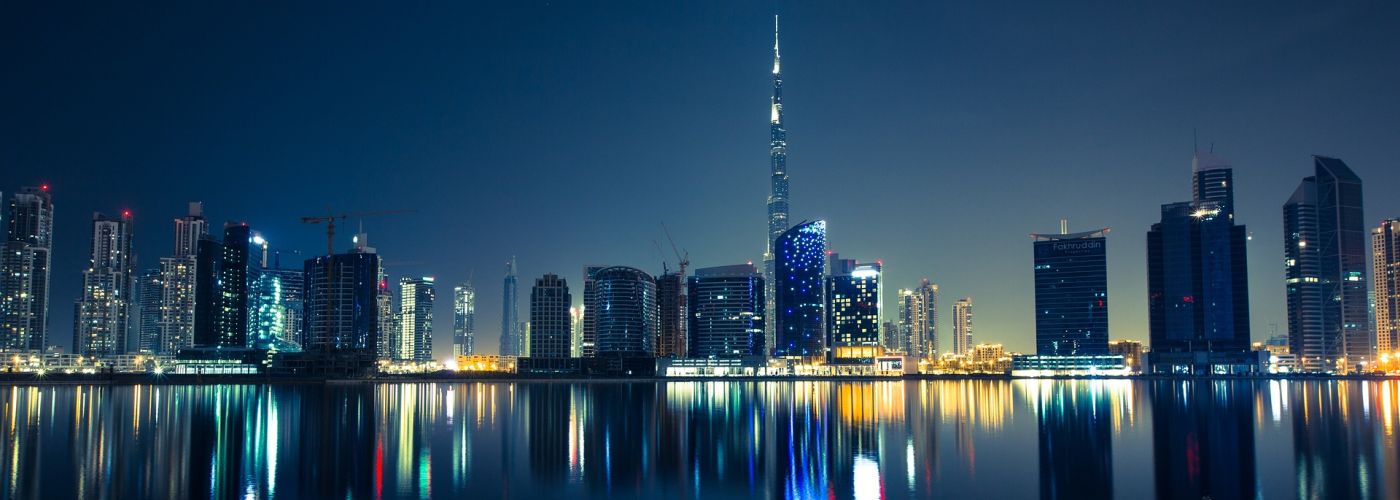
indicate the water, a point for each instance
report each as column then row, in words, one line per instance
column 896, row 439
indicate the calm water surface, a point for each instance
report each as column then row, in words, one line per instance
column 897, row 439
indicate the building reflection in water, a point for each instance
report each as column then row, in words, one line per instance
column 1203, row 439
column 1076, row 439
column 714, row 439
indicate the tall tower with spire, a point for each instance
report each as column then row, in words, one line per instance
column 510, row 314
column 777, row 162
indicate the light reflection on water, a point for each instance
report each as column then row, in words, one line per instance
column 801, row 439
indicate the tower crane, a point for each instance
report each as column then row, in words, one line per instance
column 329, row 220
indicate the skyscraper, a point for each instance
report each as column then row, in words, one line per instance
column 625, row 299
column 800, row 260
column 588, row 346
column 853, row 311
column 778, row 183
column 343, row 293
column 918, row 320
column 280, row 299
column 1071, row 293
column 726, row 312
column 149, row 294
column 962, row 326
column 1325, row 269
column 671, row 322
column 416, row 297
column 209, row 252
column 1197, row 279
column 463, row 319
column 510, row 314
column 549, row 317
column 1385, row 274
column 101, row 315
column 235, row 268
column 24, row 270
column 179, row 275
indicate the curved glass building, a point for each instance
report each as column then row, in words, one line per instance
column 625, row 305
column 799, row 264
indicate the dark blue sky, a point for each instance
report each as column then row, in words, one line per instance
column 934, row 137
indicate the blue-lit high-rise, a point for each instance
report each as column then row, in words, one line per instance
column 853, row 311
column 799, row 264
column 726, row 312
column 1197, row 280
column 415, row 338
column 778, row 182
column 625, row 308
column 1325, row 270
column 1071, row 293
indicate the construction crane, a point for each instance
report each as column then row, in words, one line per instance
column 330, row 222
column 681, row 260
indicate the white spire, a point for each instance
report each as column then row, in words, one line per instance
column 776, row 57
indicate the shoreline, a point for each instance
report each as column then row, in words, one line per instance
column 16, row 380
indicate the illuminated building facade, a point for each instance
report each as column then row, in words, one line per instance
column 511, row 332
column 101, row 315
column 1385, row 276
column 1197, row 280
column 671, row 312
column 778, row 187
column 800, row 260
column 918, row 320
column 343, row 293
column 25, row 259
column 416, row 297
column 625, row 306
column 1071, row 293
column 853, row 311
column 726, row 312
column 1325, row 269
column 276, row 300
column 463, row 319
column 179, row 283
column 235, row 271
column 962, row 326
column 549, row 318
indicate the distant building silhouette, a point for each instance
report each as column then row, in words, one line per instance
column 511, row 334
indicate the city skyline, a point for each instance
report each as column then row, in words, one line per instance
column 1120, row 187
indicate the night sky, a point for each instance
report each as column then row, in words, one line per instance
column 932, row 137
